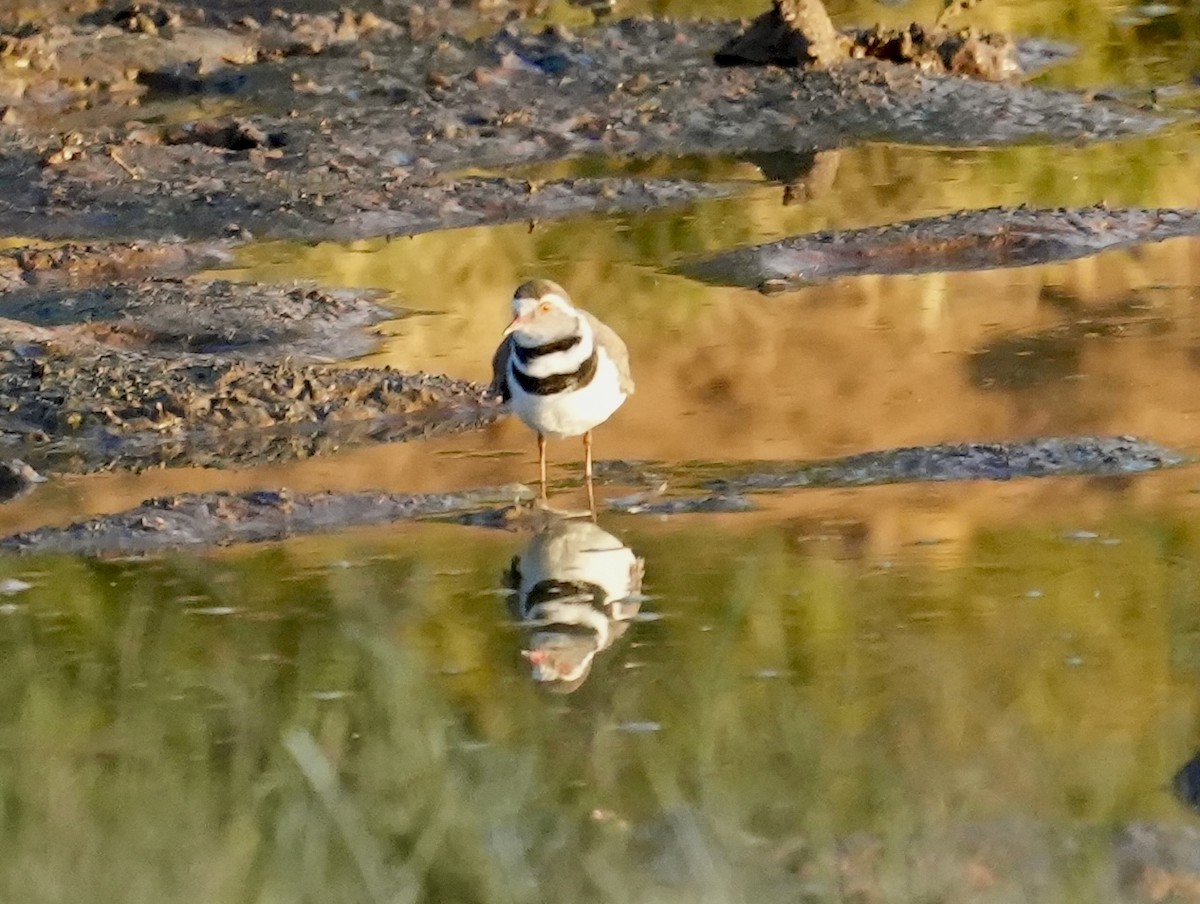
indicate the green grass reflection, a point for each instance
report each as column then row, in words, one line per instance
column 312, row 723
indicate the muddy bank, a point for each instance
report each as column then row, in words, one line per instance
column 343, row 144
column 221, row 518
column 215, row 519
column 172, row 316
column 120, row 53
column 1050, row 457
column 969, row 240
column 97, row 374
column 1046, row 457
column 87, row 410
column 76, row 265
column 312, row 205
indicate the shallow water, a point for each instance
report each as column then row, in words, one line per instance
column 951, row 692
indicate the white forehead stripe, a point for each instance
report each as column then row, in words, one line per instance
column 552, row 297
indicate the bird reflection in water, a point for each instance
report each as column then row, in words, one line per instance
column 575, row 586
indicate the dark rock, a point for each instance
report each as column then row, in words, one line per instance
column 790, row 33
column 17, row 479
column 235, row 135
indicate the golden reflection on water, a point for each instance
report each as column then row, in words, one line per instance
column 1103, row 344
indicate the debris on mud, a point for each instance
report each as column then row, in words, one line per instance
column 968, row 240
column 217, row 519
column 800, row 33
column 990, row 56
column 523, row 518
column 99, row 369
column 334, row 201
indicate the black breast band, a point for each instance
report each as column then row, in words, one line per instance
column 556, row 383
column 525, row 355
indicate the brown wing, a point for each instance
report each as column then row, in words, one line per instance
column 608, row 340
column 500, row 369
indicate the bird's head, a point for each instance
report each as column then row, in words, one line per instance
column 560, row 662
column 542, row 312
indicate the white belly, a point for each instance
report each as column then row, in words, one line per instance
column 572, row 413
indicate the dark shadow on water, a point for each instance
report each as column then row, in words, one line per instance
column 1025, row 362
column 1186, row 784
column 575, row 587
column 1031, row 361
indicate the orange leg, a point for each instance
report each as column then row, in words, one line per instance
column 542, row 463
column 587, row 472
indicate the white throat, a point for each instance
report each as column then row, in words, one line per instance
column 564, row 362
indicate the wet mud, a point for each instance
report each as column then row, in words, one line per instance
column 173, row 316
column 76, row 265
column 968, row 240
column 117, row 408
column 368, row 130
column 217, row 519
column 1046, row 457
column 213, row 519
column 99, row 374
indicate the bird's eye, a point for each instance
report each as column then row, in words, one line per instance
column 544, row 307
